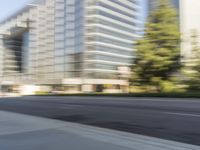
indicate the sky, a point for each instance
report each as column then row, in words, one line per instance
column 8, row 7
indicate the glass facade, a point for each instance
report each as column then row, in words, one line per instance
column 25, row 52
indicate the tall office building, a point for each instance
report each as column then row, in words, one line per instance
column 188, row 11
column 76, row 45
column 189, row 23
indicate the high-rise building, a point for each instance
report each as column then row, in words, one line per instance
column 76, row 45
column 188, row 11
column 189, row 23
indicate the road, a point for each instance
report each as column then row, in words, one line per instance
column 172, row 119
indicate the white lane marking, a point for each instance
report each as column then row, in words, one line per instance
column 182, row 114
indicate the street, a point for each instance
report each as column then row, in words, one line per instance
column 171, row 119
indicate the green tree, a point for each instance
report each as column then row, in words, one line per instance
column 158, row 51
column 191, row 69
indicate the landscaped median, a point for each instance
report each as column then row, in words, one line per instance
column 167, row 95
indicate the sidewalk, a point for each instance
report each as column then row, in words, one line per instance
column 23, row 132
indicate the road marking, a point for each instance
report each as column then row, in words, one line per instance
column 183, row 114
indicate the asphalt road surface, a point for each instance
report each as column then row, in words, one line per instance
column 172, row 119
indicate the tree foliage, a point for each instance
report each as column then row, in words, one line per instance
column 158, row 51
